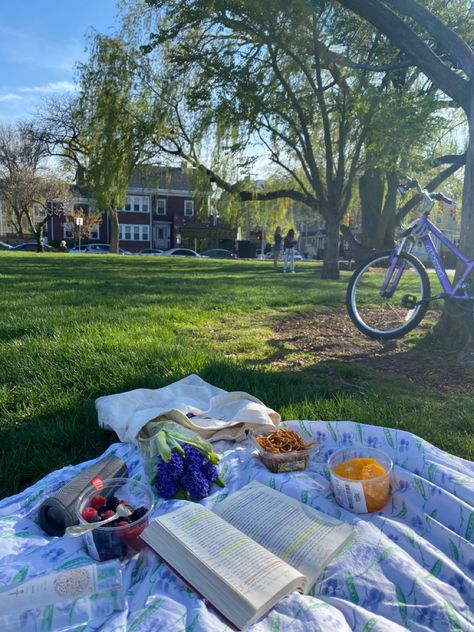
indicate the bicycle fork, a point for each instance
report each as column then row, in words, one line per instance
column 387, row 290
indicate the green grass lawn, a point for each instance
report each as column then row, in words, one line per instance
column 75, row 327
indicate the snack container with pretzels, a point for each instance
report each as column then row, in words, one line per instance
column 282, row 450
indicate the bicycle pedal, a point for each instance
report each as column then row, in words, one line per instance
column 409, row 301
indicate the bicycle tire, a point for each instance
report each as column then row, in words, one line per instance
column 377, row 321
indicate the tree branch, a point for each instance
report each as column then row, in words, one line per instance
column 403, row 36
column 444, row 36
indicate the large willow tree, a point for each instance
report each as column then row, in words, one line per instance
column 117, row 124
column 257, row 82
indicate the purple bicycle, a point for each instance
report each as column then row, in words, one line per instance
column 389, row 293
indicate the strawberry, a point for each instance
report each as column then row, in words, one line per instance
column 89, row 513
column 98, row 501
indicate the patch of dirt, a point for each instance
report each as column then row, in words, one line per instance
column 331, row 336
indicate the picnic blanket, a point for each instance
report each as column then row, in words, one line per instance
column 411, row 565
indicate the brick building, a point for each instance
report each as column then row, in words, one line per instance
column 164, row 208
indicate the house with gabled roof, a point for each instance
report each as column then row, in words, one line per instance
column 165, row 207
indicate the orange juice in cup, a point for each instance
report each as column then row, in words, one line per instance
column 360, row 478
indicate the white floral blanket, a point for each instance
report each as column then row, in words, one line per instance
column 411, row 565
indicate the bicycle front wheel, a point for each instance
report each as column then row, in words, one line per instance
column 383, row 298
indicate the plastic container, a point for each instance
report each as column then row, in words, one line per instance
column 63, row 600
column 280, row 462
column 106, row 543
column 361, row 496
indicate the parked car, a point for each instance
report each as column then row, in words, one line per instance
column 102, row 249
column 219, row 253
column 180, row 252
column 150, row 251
column 269, row 255
column 77, row 250
column 4, row 246
column 31, row 247
column 263, row 255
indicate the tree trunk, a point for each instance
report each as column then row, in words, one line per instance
column 114, row 230
column 385, row 233
column 371, row 190
column 40, row 238
column 456, row 325
column 331, row 255
column 80, row 176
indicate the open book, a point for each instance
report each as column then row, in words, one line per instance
column 254, row 548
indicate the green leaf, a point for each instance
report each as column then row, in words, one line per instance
column 454, row 551
column 436, row 568
column 220, row 482
column 431, row 472
column 20, row 576
column 331, row 430
column 421, row 487
column 388, row 436
column 411, row 537
column 387, row 553
column 402, row 605
column 351, row 589
column 402, row 512
column 371, row 623
column 276, row 624
column 162, row 445
column 47, row 619
column 470, row 527
column 454, row 623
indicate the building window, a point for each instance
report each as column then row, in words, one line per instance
column 189, row 208
column 135, row 232
column 94, row 232
column 161, row 206
column 137, row 204
column 68, row 231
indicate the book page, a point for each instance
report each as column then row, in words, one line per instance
column 298, row 534
column 244, row 565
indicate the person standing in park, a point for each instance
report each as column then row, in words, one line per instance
column 276, row 247
column 289, row 244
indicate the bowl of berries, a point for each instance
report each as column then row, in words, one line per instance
column 118, row 538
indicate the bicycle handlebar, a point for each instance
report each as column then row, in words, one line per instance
column 412, row 183
column 442, row 198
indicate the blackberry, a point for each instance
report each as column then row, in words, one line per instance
column 137, row 514
column 112, row 503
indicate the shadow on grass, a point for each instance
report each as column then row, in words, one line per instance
column 68, row 435
column 330, row 390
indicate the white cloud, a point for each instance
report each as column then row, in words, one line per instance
column 54, row 86
column 10, row 97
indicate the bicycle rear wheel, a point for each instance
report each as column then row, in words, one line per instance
column 393, row 311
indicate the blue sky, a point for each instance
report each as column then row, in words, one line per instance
column 40, row 42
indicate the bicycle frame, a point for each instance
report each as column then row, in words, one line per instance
column 449, row 291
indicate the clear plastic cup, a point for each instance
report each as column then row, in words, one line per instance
column 361, row 496
column 108, row 542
